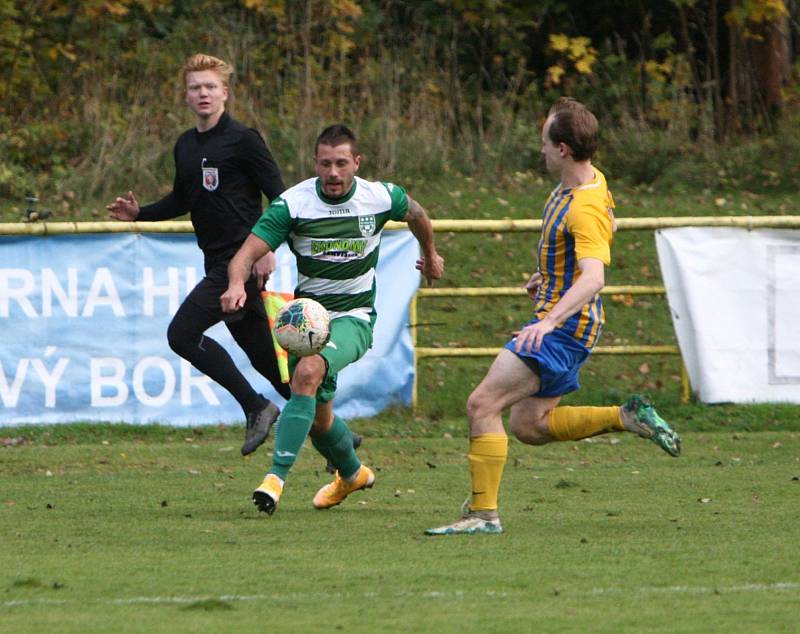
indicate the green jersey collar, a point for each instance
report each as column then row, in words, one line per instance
column 336, row 201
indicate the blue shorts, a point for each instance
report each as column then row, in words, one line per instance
column 556, row 363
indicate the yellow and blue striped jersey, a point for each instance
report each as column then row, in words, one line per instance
column 577, row 223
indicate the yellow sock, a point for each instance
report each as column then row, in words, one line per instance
column 574, row 423
column 487, row 457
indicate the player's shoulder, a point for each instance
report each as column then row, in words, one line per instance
column 596, row 186
column 592, row 201
column 377, row 190
column 299, row 197
column 592, row 194
column 305, row 188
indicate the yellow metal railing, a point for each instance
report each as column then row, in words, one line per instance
column 625, row 224
column 427, row 353
column 458, row 226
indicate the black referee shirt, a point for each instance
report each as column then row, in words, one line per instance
column 219, row 177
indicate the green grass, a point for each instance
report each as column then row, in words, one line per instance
column 104, row 529
column 143, row 528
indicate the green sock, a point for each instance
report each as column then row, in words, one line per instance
column 294, row 423
column 337, row 446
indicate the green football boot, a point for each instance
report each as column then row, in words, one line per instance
column 643, row 420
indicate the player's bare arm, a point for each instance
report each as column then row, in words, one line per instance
column 533, row 285
column 263, row 268
column 239, row 270
column 589, row 283
column 126, row 209
column 431, row 264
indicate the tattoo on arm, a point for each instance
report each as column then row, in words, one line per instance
column 420, row 225
column 415, row 210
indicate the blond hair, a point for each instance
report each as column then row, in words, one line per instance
column 200, row 62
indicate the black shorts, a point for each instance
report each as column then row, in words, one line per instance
column 205, row 296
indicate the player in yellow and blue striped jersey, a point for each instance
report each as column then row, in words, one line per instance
column 541, row 363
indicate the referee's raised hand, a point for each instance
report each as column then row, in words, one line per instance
column 126, row 209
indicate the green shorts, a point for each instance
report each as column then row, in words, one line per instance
column 350, row 340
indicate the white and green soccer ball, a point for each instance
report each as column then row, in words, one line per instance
column 302, row 327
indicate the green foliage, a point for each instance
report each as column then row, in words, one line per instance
column 92, row 94
column 640, row 154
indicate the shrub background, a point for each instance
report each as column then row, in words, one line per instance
column 91, row 94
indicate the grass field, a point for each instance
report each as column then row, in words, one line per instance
column 150, row 529
column 115, row 529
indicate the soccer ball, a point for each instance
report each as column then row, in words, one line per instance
column 302, row 327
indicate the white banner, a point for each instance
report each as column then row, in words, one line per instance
column 734, row 295
column 84, row 319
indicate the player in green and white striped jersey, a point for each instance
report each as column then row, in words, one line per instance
column 333, row 224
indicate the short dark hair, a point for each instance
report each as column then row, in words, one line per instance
column 337, row 134
column 573, row 124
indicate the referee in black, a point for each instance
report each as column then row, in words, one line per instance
column 221, row 169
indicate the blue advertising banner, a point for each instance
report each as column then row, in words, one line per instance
column 84, row 319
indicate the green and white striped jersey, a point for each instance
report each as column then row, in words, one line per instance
column 335, row 241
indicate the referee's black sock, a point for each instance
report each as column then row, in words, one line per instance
column 256, row 404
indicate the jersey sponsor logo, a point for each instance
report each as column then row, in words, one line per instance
column 366, row 224
column 210, row 176
column 342, row 248
column 345, row 211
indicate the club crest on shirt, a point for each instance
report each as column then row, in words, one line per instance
column 210, row 176
column 366, row 225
